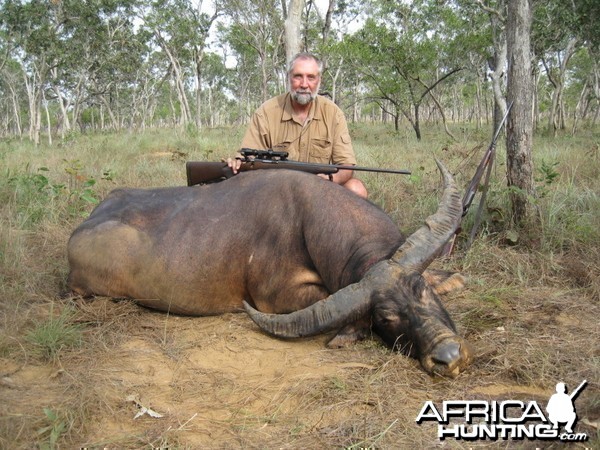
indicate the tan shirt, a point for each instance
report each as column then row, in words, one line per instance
column 323, row 138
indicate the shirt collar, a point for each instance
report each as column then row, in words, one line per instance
column 314, row 113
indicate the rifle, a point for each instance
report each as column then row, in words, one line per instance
column 200, row 172
column 486, row 163
column 576, row 392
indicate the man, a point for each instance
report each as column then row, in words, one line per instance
column 309, row 127
column 560, row 408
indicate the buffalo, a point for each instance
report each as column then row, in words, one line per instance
column 300, row 254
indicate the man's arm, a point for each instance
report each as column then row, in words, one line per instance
column 341, row 177
column 256, row 135
column 342, row 151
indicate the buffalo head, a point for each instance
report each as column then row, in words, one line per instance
column 405, row 310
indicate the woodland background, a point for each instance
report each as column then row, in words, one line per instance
column 71, row 66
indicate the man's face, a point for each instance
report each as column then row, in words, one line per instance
column 304, row 81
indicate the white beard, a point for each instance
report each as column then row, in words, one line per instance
column 303, row 98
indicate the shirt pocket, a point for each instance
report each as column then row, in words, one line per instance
column 320, row 150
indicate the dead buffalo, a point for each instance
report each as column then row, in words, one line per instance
column 307, row 253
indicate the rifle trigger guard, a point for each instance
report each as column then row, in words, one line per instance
column 330, row 175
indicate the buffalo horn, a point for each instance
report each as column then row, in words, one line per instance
column 345, row 306
column 422, row 247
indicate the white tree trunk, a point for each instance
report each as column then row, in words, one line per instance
column 292, row 28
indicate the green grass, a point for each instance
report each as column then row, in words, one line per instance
column 45, row 192
column 51, row 433
column 50, row 337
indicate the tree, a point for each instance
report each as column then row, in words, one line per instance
column 31, row 33
column 255, row 37
column 400, row 64
column 520, row 122
column 554, row 44
column 292, row 26
column 496, row 12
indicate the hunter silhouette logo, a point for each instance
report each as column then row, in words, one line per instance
column 508, row 419
column 561, row 408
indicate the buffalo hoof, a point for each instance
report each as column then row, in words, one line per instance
column 448, row 358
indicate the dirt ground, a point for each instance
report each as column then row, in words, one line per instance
column 143, row 379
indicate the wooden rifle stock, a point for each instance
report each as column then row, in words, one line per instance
column 200, row 172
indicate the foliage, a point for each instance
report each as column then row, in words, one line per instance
column 142, row 63
column 51, row 433
column 55, row 334
column 34, row 191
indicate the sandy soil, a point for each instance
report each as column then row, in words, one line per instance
column 143, row 379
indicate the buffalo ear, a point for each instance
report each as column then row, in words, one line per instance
column 351, row 333
column 442, row 281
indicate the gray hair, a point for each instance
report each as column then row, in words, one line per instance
column 305, row 56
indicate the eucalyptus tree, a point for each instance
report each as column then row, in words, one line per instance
column 71, row 52
column 11, row 95
column 586, row 61
column 255, row 38
column 244, row 69
column 326, row 32
column 180, row 28
column 292, row 27
column 560, row 30
column 469, row 43
column 554, row 44
column 31, row 32
column 584, row 87
column 495, row 10
column 106, row 52
column 218, row 87
column 400, row 61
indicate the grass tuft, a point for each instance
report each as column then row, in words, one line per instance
column 55, row 334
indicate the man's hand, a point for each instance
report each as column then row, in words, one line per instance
column 340, row 177
column 234, row 164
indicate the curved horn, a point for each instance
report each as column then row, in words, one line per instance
column 345, row 306
column 422, row 247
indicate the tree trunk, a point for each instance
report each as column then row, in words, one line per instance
column 416, row 123
column 520, row 120
column 327, row 25
column 15, row 105
column 178, row 80
column 48, row 121
column 497, row 66
column 292, row 28
column 578, row 108
column 65, row 126
column 443, row 116
column 198, row 57
column 478, row 100
column 557, row 79
column 113, row 119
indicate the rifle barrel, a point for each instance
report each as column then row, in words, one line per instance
column 328, row 167
column 376, row 169
column 579, row 388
